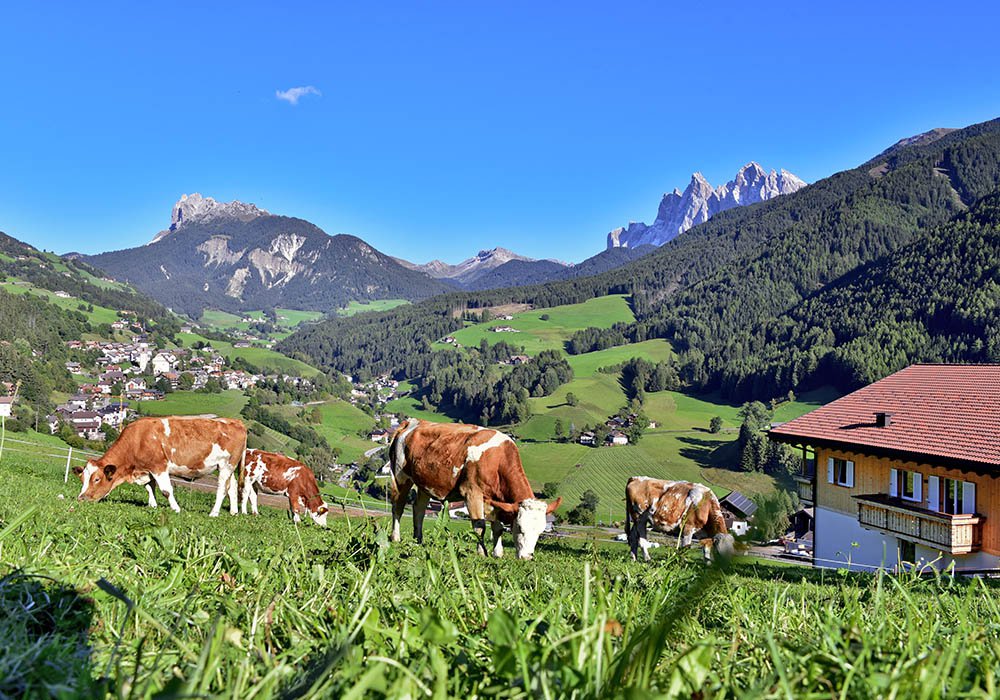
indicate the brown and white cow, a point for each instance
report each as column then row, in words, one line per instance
column 466, row 462
column 151, row 450
column 674, row 506
column 280, row 475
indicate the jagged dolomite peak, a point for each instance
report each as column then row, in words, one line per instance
column 699, row 202
column 192, row 208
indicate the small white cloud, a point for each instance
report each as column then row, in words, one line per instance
column 293, row 95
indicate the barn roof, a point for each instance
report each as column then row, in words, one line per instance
column 736, row 501
column 948, row 414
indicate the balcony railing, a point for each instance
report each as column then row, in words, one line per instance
column 804, row 484
column 953, row 534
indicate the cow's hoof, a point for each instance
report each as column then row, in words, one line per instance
column 214, row 514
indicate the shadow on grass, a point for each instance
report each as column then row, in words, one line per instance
column 44, row 627
column 709, row 453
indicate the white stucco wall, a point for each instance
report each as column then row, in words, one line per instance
column 835, row 533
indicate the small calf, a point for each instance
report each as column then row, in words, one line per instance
column 277, row 474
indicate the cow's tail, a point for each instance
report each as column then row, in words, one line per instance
column 632, row 524
column 240, row 468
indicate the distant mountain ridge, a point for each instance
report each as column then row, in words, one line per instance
column 237, row 257
column 465, row 273
column 699, row 202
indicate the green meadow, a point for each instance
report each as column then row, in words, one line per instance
column 358, row 307
column 268, row 360
column 228, row 404
column 117, row 600
column 99, row 315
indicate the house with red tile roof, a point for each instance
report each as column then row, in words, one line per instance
column 905, row 470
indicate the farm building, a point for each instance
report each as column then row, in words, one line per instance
column 904, row 471
column 738, row 510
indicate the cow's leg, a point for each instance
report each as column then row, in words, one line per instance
column 419, row 510
column 167, row 489
column 497, row 528
column 637, row 537
column 477, row 510
column 151, row 490
column 234, row 488
column 400, row 491
column 220, row 493
column 247, row 488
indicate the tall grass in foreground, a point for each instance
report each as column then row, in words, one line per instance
column 115, row 599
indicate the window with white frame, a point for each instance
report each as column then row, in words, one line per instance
column 906, row 484
column 951, row 496
column 840, row 472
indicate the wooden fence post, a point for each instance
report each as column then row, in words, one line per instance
column 69, row 457
column 3, row 433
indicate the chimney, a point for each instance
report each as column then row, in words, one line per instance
column 883, row 419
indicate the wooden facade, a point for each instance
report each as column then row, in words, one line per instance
column 915, row 520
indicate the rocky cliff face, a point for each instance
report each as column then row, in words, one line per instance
column 195, row 209
column 237, row 257
column 699, row 202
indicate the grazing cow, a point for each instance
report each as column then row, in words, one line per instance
column 283, row 476
column 674, row 506
column 151, row 450
column 466, row 462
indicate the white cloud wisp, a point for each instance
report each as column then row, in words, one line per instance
column 293, row 95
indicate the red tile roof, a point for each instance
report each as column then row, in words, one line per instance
column 951, row 412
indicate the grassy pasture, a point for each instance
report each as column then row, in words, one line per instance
column 100, row 314
column 259, row 357
column 228, row 404
column 340, row 425
column 358, row 307
column 140, row 603
column 537, row 335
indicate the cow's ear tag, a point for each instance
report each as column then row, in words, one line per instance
column 109, row 470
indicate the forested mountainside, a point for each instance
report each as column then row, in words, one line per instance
column 20, row 261
column 937, row 300
column 519, row 273
column 263, row 262
column 712, row 289
column 34, row 332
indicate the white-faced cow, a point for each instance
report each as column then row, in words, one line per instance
column 466, row 462
column 674, row 506
column 277, row 474
column 151, row 450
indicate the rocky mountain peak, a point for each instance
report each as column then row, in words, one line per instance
column 195, row 208
column 679, row 211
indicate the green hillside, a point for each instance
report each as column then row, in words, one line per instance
column 263, row 358
column 715, row 291
column 680, row 447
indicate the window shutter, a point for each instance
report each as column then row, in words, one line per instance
column 894, row 483
column 829, row 470
column 934, row 493
column 918, row 495
column 850, row 474
column 968, row 497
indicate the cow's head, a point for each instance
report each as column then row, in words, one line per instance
column 319, row 514
column 529, row 522
column 722, row 544
column 98, row 480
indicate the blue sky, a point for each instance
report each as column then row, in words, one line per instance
column 443, row 128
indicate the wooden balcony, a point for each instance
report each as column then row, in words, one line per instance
column 804, row 485
column 952, row 534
